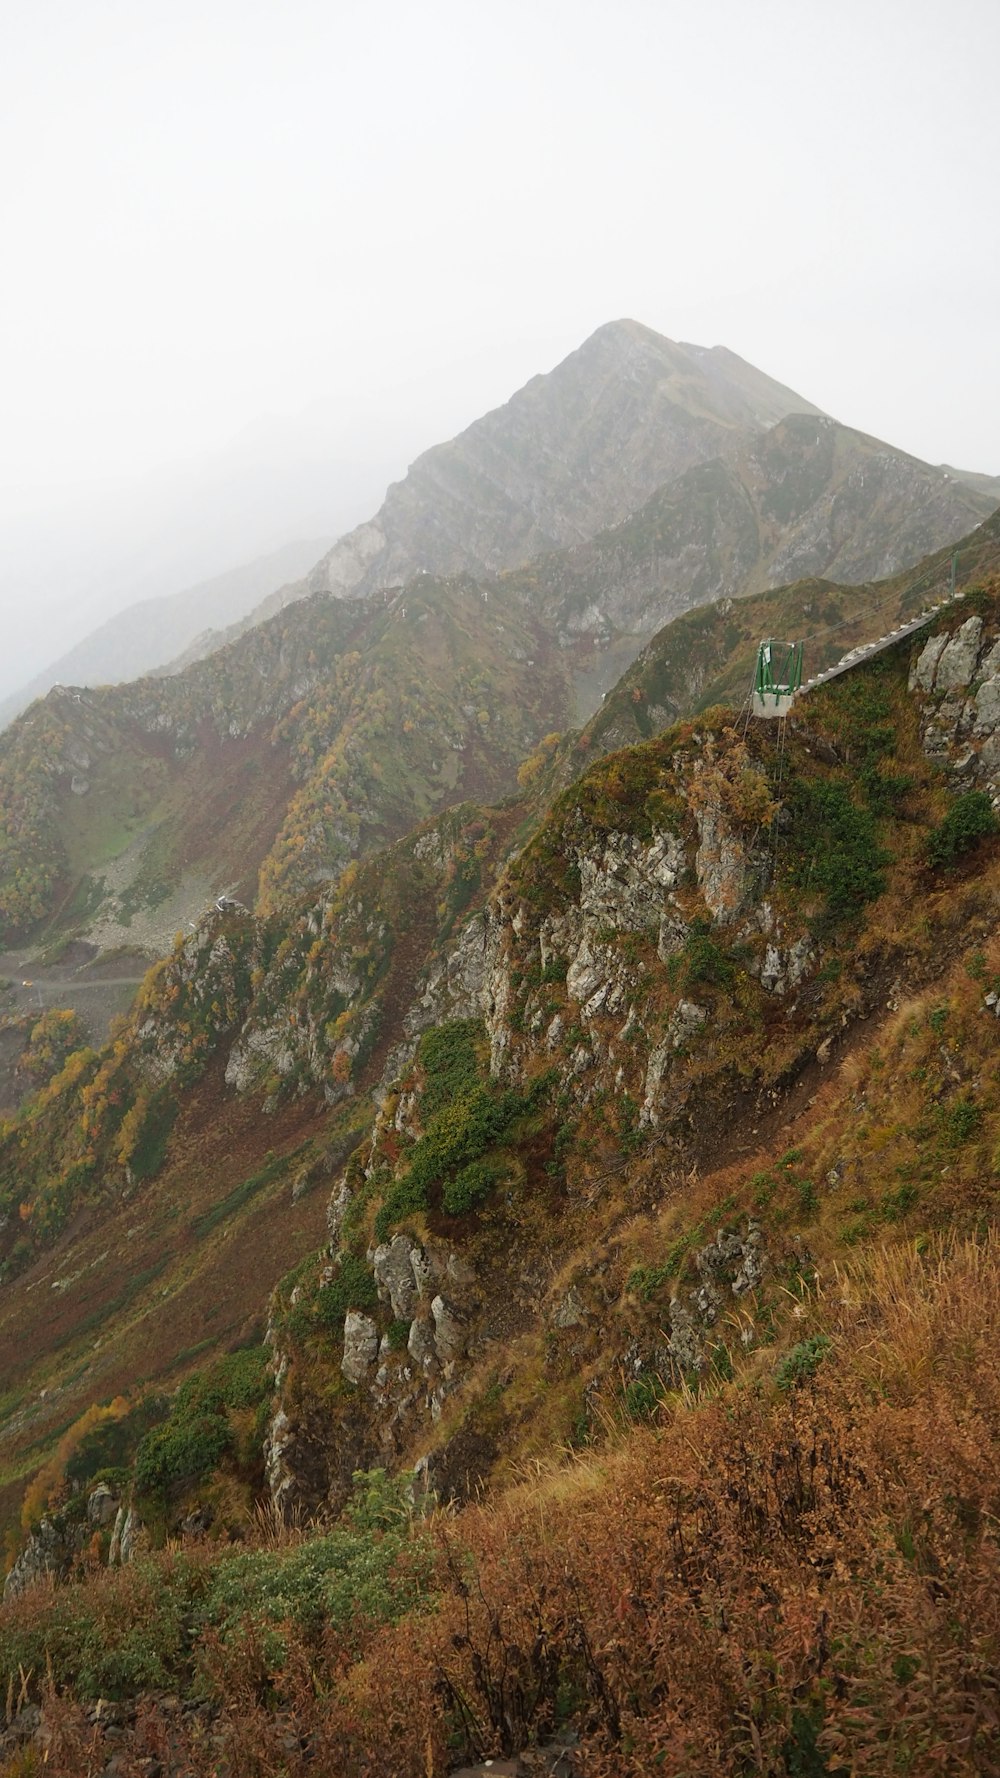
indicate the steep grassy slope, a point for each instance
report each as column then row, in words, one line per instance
column 147, row 1277
column 692, row 893
column 331, row 729
column 694, row 1136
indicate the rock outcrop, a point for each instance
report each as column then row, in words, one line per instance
column 957, row 676
column 57, row 1541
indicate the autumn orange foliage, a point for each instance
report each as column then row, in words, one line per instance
column 797, row 1582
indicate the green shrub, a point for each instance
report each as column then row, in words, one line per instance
column 460, row 1133
column 447, row 1055
column 379, row 1502
column 193, row 1441
column 137, row 1628
column 960, row 1122
column 243, row 1376
column 352, row 1572
column 111, row 1444
column 151, row 1147
column 646, row 1281
column 120, row 1635
column 897, row 1204
column 470, row 1187
column 833, row 848
column 665, row 810
column 238, row 1380
column 642, row 1397
column 969, row 820
column 885, row 790
column 802, row 1362
column 704, row 959
column 181, row 1453
column 352, row 1287
column 808, row 1199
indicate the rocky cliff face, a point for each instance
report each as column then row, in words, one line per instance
column 957, row 678
column 657, row 962
column 597, row 972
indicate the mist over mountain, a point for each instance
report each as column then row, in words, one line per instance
column 499, row 891
column 145, row 635
column 322, row 732
column 569, row 454
column 620, row 422
column 70, row 561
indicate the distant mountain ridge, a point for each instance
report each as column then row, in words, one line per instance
column 575, row 451
column 349, row 716
column 808, row 497
column 634, row 432
column 151, row 632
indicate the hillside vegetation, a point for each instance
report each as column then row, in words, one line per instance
column 635, row 1161
column 707, row 656
column 331, row 729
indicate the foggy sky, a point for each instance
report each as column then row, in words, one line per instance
column 228, row 222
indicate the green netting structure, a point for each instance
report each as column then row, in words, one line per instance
column 777, row 677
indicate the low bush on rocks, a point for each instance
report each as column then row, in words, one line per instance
column 969, row 820
column 200, row 1431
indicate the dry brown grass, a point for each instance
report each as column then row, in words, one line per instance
column 780, row 1583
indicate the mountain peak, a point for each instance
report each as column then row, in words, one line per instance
column 571, row 453
column 627, row 331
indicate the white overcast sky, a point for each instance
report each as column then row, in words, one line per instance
column 215, row 214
